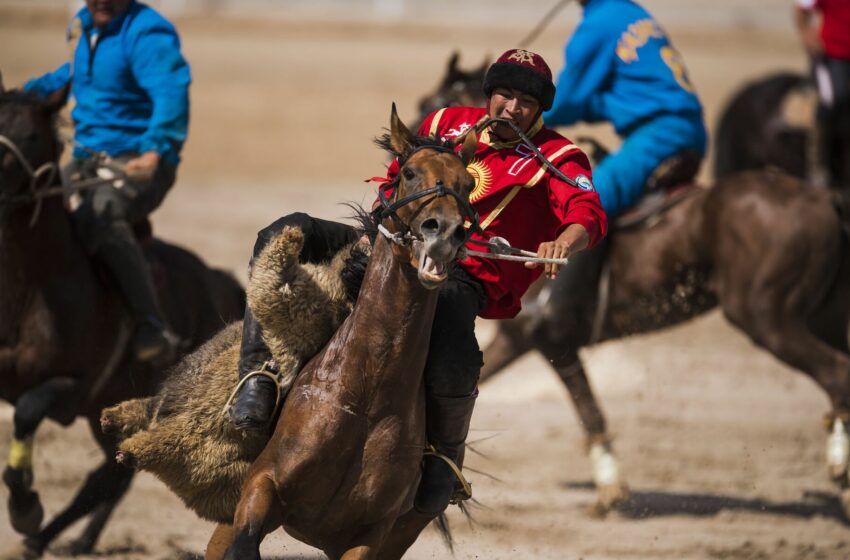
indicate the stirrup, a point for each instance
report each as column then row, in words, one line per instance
column 264, row 371
column 465, row 490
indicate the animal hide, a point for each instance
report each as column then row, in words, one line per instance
column 180, row 435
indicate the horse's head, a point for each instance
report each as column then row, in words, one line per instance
column 28, row 143
column 430, row 200
column 458, row 87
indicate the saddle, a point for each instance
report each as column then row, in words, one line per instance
column 669, row 184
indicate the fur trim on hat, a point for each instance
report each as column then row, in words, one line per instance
column 522, row 78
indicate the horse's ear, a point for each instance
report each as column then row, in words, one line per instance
column 452, row 66
column 482, row 70
column 401, row 140
column 56, row 100
column 470, row 144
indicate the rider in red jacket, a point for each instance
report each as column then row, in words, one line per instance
column 511, row 187
column 518, row 197
column 828, row 44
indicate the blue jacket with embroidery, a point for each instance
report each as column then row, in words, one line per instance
column 129, row 84
column 621, row 67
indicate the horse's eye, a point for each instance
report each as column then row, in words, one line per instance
column 408, row 173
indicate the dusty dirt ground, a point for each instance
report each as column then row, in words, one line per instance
column 721, row 444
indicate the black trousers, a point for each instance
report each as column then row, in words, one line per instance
column 454, row 358
column 106, row 214
column 832, row 79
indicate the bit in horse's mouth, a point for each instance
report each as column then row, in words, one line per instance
column 430, row 271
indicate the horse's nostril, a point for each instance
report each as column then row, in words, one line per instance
column 459, row 234
column 430, row 226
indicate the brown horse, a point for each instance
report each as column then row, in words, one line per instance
column 64, row 329
column 772, row 252
column 341, row 468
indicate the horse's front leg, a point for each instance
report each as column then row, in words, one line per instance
column 56, row 399
column 403, row 534
column 103, row 489
column 611, row 489
column 257, row 514
column 508, row 344
column 222, row 537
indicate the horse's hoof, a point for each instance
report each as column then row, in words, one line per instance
column 74, row 548
column 609, row 496
column 845, row 501
column 20, row 551
column 25, row 512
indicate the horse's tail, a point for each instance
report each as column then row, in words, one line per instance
column 841, row 201
column 746, row 128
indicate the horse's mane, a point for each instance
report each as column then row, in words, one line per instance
column 385, row 142
column 22, row 98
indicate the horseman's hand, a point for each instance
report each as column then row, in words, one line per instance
column 143, row 167
column 571, row 241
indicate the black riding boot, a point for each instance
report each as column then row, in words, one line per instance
column 447, row 420
column 254, row 405
column 129, row 269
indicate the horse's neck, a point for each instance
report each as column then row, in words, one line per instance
column 390, row 327
column 33, row 257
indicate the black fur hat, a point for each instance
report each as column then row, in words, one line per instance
column 522, row 70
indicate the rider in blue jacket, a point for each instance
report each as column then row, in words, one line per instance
column 129, row 85
column 621, row 68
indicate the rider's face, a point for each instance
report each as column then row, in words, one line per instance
column 517, row 106
column 104, row 11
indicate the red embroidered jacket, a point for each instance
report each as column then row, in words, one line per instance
column 519, row 200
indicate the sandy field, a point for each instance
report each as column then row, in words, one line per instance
column 721, row 444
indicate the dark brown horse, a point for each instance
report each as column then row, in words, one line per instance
column 341, row 469
column 63, row 328
column 457, row 87
column 772, row 252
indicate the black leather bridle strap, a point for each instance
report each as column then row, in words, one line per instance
column 389, row 207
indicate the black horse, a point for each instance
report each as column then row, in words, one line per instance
column 64, row 329
column 458, row 87
column 756, row 129
column 771, row 122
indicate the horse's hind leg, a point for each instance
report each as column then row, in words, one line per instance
column 564, row 326
column 786, row 335
column 256, row 515
column 56, row 399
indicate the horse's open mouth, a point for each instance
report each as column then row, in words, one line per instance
column 431, row 273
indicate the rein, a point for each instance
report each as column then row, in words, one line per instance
column 39, row 178
column 528, row 144
column 36, row 176
column 499, row 247
column 550, row 15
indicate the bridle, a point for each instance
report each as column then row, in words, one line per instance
column 41, row 179
column 405, row 235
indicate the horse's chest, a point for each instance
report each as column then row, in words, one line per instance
column 32, row 338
